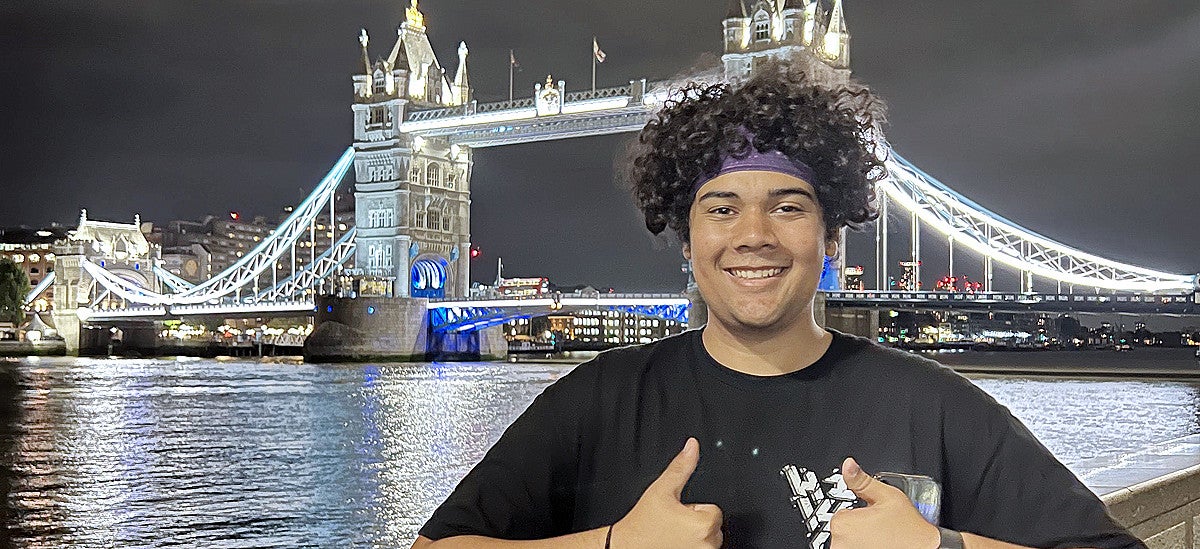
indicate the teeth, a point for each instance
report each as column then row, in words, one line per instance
column 755, row 273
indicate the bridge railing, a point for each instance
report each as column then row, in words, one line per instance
column 504, row 105
column 603, row 93
column 602, row 296
column 887, row 295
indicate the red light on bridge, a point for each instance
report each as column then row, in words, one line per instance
column 475, row 253
column 235, row 216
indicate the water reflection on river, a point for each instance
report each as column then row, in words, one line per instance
column 244, row 454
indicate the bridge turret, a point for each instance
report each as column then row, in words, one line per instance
column 835, row 45
column 793, row 21
column 814, row 23
column 737, row 26
column 785, row 28
column 461, row 87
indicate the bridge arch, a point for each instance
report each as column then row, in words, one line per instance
column 428, row 277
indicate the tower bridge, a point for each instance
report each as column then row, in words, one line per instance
column 415, row 129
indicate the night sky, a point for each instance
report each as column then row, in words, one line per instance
column 1077, row 119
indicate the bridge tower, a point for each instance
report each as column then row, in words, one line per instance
column 796, row 29
column 412, row 194
column 119, row 248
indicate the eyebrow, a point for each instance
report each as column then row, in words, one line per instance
column 774, row 193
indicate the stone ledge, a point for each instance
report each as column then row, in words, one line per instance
column 1160, row 502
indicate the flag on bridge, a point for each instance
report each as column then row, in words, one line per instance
column 597, row 52
column 512, row 64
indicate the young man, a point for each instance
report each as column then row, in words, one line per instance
column 755, row 431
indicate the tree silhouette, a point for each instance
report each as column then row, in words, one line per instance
column 14, row 286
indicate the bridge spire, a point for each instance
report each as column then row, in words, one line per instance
column 398, row 55
column 363, row 39
column 462, row 88
column 836, row 43
column 413, row 16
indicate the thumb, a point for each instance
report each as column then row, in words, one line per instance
column 866, row 487
column 677, row 473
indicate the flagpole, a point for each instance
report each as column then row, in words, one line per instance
column 511, row 56
column 593, row 65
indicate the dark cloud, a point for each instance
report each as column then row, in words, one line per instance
column 1075, row 118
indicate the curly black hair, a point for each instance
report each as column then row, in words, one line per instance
column 835, row 129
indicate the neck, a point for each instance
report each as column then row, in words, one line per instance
column 766, row 352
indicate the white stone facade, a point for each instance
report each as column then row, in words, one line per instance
column 761, row 29
column 412, row 195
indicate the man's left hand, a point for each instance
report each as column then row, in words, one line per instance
column 888, row 520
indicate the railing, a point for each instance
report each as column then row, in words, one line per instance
column 524, row 103
column 504, row 105
column 604, row 93
column 516, row 300
column 431, row 114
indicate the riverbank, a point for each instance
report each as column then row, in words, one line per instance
column 49, row 347
column 1176, row 363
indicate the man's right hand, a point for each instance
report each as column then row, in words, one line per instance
column 660, row 521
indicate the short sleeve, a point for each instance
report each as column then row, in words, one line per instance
column 521, row 489
column 1001, row 483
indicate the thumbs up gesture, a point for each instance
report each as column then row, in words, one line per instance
column 888, row 520
column 660, row 521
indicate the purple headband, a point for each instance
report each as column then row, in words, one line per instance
column 756, row 160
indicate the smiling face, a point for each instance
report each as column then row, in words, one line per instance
column 757, row 246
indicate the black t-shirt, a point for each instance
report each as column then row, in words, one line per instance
column 584, row 451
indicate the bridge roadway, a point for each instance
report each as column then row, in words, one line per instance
column 476, row 313
column 604, row 111
column 1009, row 302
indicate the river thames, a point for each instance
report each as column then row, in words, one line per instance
column 241, row 453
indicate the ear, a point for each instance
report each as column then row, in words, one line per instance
column 831, row 247
column 687, row 251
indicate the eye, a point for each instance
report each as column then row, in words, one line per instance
column 789, row 208
column 721, row 210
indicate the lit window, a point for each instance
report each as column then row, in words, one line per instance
column 33, row 258
column 18, row 258
column 433, row 175
column 762, row 31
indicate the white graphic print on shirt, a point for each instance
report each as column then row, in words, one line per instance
column 817, row 501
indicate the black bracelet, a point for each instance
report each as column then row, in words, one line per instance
column 608, row 538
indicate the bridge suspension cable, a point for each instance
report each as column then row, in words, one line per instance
column 999, row 239
column 245, row 272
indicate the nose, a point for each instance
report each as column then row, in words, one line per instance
column 754, row 231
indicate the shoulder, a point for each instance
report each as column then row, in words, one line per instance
column 900, row 370
column 616, row 368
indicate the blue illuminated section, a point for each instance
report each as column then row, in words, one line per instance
column 429, row 278
column 443, row 320
column 678, row 313
column 829, row 276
